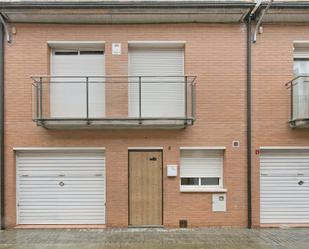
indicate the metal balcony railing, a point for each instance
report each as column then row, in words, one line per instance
column 299, row 101
column 114, row 101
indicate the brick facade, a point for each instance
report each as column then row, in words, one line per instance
column 216, row 53
column 272, row 68
column 221, row 76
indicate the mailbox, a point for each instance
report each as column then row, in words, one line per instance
column 219, row 202
column 171, row 170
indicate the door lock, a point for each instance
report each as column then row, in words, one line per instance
column 61, row 184
column 301, row 183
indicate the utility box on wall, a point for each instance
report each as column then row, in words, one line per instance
column 219, row 202
column 171, row 170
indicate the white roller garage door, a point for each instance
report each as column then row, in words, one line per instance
column 60, row 187
column 284, row 186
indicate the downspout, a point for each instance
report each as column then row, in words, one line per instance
column 251, row 39
column 249, row 112
column 2, row 125
column 249, row 123
column 5, row 29
column 5, row 34
column 258, row 25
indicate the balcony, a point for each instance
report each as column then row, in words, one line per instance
column 299, row 101
column 77, row 102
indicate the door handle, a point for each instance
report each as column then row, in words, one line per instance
column 153, row 158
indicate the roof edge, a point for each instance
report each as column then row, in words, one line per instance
column 122, row 4
column 288, row 5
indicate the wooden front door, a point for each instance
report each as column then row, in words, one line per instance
column 145, row 188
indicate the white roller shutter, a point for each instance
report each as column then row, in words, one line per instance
column 201, row 163
column 284, row 186
column 163, row 96
column 301, row 86
column 68, row 95
column 301, row 52
column 58, row 187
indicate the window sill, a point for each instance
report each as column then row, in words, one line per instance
column 205, row 190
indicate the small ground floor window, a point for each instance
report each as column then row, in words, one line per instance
column 201, row 169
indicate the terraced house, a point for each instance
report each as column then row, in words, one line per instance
column 154, row 113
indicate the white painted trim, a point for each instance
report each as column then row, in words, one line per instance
column 104, row 187
column 299, row 43
column 74, row 44
column 145, row 148
column 17, row 211
column 201, row 189
column 56, row 148
column 156, row 42
column 203, row 148
column 284, row 148
column 168, row 44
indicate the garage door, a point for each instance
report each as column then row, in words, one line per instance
column 160, row 96
column 60, row 187
column 284, row 186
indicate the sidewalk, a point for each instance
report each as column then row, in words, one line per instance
column 208, row 238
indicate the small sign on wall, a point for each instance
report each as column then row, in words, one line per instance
column 171, row 170
column 116, row 48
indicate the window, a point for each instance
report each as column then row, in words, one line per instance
column 201, row 169
column 301, row 58
column 210, row 181
column 66, row 52
column 162, row 96
column 78, row 52
column 301, row 87
column 69, row 95
column 189, row 181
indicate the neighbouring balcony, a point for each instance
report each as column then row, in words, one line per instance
column 114, row 101
column 299, row 101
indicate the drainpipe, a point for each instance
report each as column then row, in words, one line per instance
column 249, row 112
column 249, row 123
column 2, row 126
column 249, row 19
column 5, row 28
column 258, row 25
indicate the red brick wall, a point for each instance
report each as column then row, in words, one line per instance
column 272, row 68
column 215, row 53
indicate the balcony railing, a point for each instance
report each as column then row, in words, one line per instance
column 114, row 101
column 299, row 101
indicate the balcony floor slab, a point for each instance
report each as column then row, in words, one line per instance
column 300, row 123
column 116, row 123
